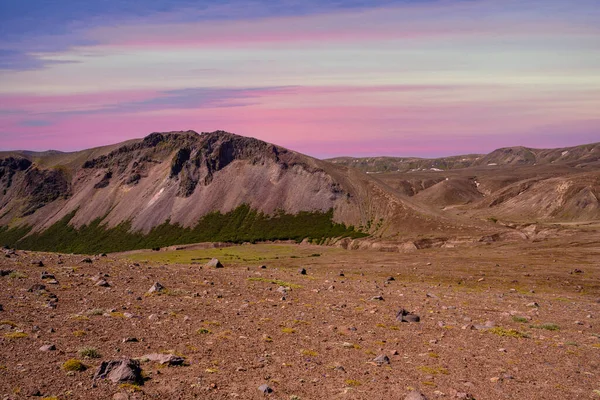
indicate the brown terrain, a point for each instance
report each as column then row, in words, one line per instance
column 497, row 321
column 480, row 277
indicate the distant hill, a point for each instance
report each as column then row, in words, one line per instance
column 577, row 156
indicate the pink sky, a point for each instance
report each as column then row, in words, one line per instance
column 405, row 79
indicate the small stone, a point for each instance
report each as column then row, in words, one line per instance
column 381, row 359
column 414, row 395
column 214, row 263
column 47, row 275
column 37, row 288
column 130, row 340
column 38, row 263
column 102, row 283
column 533, row 304
column 302, row 271
column 405, row 316
column 265, row 388
column 169, row 359
column 263, row 267
column 48, row 347
column 156, row 288
column 35, row 393
column 390, row 279
column 380, row 298
column 87, row 260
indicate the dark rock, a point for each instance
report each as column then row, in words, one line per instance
column 302, row 271
column 263, row 267
column 38, row 263
column 405, row 316
column 35, row 393
column 390, row 279
column 37, row 288
column 102, row 283
column 380, row 298
column 265, row 388
column 126, row 370
column 214, row 263
column 576, row 271
column 1, row 307
column 47, row 275
column 87, row 260
column 5, row 272
column 130, row 340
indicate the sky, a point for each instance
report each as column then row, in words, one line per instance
column 421, row 78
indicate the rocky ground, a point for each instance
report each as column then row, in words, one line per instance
column 496, row 321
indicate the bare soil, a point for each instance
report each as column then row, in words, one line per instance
column 317, row 341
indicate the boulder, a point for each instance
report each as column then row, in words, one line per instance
column 117, row 371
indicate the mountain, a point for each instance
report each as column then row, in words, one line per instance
column 180, row 187
column 584, row 156
column 515, row 183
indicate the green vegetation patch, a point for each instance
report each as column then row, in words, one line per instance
column 507, row 332
column 548, row 327
column 74, row 365
column 237, row 226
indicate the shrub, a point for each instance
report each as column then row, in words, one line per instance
column 74, row 365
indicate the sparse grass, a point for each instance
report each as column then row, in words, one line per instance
column 237, row 226
column 79, row 333
column 433, row 370
column 548, row 327
column 288, row 330
column 133, row 388
column 203, row 331
column 352, row 382
column 309, row 353
column 50, row 398
column 507, row 332
column 79, row 317
column 211, row 370
column 117, row 314
column 89, row 352
column 15, row 335
column 17, row 275
column 74, row 365
column 276, row 282
column 9, row 323
column 95, row 311
column 521, row 320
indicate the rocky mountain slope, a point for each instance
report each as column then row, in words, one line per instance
column 178, row 178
